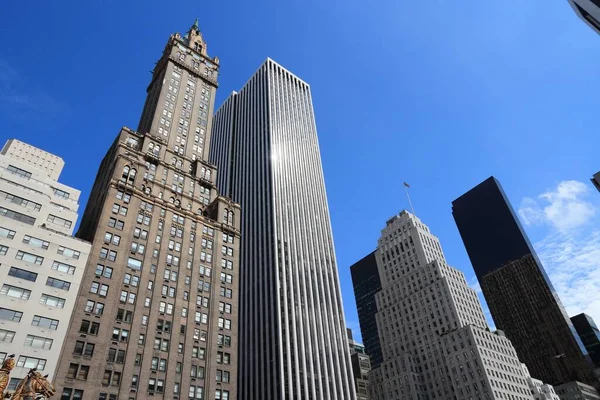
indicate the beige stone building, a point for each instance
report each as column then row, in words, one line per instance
column 41, row 263
column 157, row 314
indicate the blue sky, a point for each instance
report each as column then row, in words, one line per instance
column 439, row 94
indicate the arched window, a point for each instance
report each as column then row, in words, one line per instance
column 151, row 147
column 231, row 218
column 179, row 164
column 156, row 150
column 208, row 174
column 226, row 216
column 131, row 177
column 173, row 160
column 126, row 170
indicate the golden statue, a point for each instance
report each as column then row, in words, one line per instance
column 7, row 366
column 33, row 386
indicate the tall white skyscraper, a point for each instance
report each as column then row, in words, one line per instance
column 292, row 331
column 435, row 341
column 42, row 264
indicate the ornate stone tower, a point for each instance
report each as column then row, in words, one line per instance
column 157, row 313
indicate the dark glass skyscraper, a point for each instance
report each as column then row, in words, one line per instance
column 366, row 282
column 590, row 336
column 519, row 294
column 292, row 332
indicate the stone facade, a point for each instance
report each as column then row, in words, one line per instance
column 435, row 340
column 42, row 264
column 164, row 258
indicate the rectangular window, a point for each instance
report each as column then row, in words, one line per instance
column 7, row 233
column 39, row 342
column 31, row 362
column 3, row 250
column 18, row 171
column 134, row 264
column 101, row 270
column 58, row 283
column 99, row 289
column 45, row 322
column 16, row 292
column 62, row 267
column 89, row 327
column 61, row 193
column 52, row 301
column 6, row 336
column 22, row 274
column 59, row 221
column 28, row 257
column 67, row 252
column 33, row 241
column 26, row 219
column 10, row 315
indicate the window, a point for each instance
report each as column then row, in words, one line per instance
column 70, row 394
column 120, row 334
column 36, row 242
column 156, row 385
column 117, row 224
column 3, row 250
column 67, row 252
column 119, row 209
column 196, row 392
column 16, row 292
column 85, row 349
column 31, row 362
column 7, row 233
column 22, row 274
column 134, row 264
column 161, row 344
column 61, row 193
column 94, row 307
column 132, row 280
column 6, row 336
column 137, row 248
column 28, row 257
column 226, row 292
column 111, row 255
column 59, row 221
column 45, row 322
column 89, row 327
column 18, row 171
column 223, row 358
column 128, row 175
column 222, row 376
column 101, row 270
column 52, row 301
column 126, row 197
column 99, row 289
column 62, row 267
column 57, row 283
column 31, row 205
column 221, row 394
column 111, row 238
column 127, row 297
column 26, row 219
column 39, row 342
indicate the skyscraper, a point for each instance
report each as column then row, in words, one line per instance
column 361, row 365
column 42, row 264
column 596, row 180
column 588, row 11
column 589, row 334
column 157, row 313
column 292, row 330
column 366, row 282
column 517, row 290
column 435, row 341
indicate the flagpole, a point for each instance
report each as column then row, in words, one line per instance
column 406, row 186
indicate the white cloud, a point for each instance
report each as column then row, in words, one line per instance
column 572, row 262
column 564, row 207
column 570, row 250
